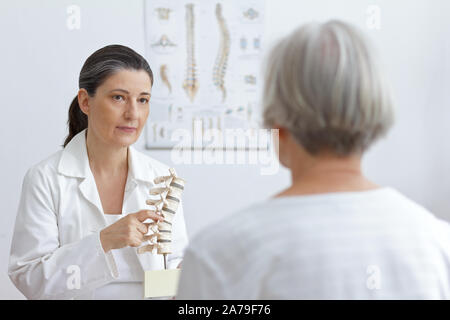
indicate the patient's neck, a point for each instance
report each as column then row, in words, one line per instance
column 326, row 173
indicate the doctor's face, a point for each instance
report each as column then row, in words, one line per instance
column 118, row 111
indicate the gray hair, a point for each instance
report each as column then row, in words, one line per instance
column 323, row 85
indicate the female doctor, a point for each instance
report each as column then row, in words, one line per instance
column 82, row 211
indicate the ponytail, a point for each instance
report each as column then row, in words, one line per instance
column 77, row 122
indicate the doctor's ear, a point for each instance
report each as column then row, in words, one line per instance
column 83, row 101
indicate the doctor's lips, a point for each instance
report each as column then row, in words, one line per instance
column 127, row 129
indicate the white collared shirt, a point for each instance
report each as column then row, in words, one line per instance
column 56, row 239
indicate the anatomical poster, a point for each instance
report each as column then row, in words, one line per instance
column 206, row 59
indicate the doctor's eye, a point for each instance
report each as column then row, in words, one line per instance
column 118, row 97
column 143, row 100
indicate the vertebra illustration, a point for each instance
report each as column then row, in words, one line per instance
column 220, row 65
column 190, row 84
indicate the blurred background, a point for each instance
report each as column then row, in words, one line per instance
column 41, row 59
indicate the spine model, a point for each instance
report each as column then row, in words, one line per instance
column 190, row 84
column 220, row 65
column 165, row 200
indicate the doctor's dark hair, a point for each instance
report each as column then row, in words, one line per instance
column 98, row 67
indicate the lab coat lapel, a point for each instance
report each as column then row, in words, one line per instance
column 139, row 172
column 139, row 166
column 88, row 188
column 75, row 163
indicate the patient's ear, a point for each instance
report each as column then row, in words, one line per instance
column 281, row 144
column 283, row 133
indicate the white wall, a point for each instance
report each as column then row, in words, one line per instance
column 41, row 60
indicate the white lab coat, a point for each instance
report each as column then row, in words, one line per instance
column 59, row 219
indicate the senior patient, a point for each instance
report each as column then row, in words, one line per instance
column 333, row 234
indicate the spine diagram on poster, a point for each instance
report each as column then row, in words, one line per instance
column 190, row 84
column 220, row 65
column 164, row 77
column 206, row 57
column 251, row 14
column 163, row 13
column 164, row 42
column 165, row 201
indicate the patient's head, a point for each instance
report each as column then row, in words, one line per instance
column 324, row 91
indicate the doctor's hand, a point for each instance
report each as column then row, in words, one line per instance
column 128, row 231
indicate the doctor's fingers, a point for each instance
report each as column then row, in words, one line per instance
column 148, row 214
column 147, row 227
column 136, row 240
column 142, row 227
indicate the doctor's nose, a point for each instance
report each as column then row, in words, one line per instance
column 131, row 111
